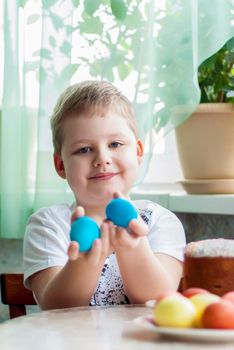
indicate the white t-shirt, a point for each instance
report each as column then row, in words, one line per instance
column 47, row 238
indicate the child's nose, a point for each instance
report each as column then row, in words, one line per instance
column 102, row 159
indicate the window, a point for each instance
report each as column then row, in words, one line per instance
column 164, row 168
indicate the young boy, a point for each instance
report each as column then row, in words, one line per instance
column 98, row 152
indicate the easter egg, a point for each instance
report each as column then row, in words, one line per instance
column 219, row 315
column 189, row 292
column 229, row 296
column 175, row 311
column 84, row 230
column 167, row 294
column 201, row 301
column 120, row 212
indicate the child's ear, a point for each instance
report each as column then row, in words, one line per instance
column 59, row 166
column 140, row 150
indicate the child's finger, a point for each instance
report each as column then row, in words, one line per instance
column 112, row 233
column 73, row 251
column 77, row 213
column 118, row 194
column 138, row 227
column 95, row 252
column 105, row 238
column 125, row 239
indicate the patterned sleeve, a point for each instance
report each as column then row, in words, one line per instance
column 166, row 233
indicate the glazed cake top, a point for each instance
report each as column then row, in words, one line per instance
column 211, row 248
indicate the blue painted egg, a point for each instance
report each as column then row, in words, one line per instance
column 120, row 212
column 84, row 230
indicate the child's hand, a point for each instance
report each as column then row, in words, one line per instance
column 100, row 249
column 73, row 248
column 130, row 237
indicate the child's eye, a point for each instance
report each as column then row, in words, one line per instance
column 84, row 150
column 115, row 144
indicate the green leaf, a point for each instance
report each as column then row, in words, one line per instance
column 45, row 53
column 230, row 57
column 228, row 88
column 230, row 44
column 214, row 73
column 69, row 29
column 33, row 18
column 68, row 72
column 91, row 6
column 108, row 73
column 22, row 3
column 95, row 68
column 124, row 70
column 66, row 47
column 76, row 3
column 57, row 21
column 124, row 44
column 133, row 20
column 116, row 58
column 48, row 3
column 208, row 63
column 118, row 9
column 204, row 98
column 52, row 41
column 91, row 26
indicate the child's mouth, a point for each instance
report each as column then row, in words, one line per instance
column 102, row 176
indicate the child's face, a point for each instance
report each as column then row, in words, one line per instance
column 99, row 156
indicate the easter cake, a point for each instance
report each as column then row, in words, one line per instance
column 209, row 264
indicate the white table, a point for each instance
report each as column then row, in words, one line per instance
column 91, row 328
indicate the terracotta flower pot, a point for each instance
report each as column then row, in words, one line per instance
column 205, row 144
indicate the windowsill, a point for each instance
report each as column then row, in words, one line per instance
column 178, row 200
column 171, row 197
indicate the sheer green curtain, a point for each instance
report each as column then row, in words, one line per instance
column 149, row 49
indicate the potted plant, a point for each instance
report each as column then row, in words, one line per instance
column 206, row 139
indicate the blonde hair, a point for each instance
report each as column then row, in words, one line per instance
column 89, row 98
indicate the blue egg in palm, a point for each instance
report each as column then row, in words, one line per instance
column 120, row 212
column 84, row 230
